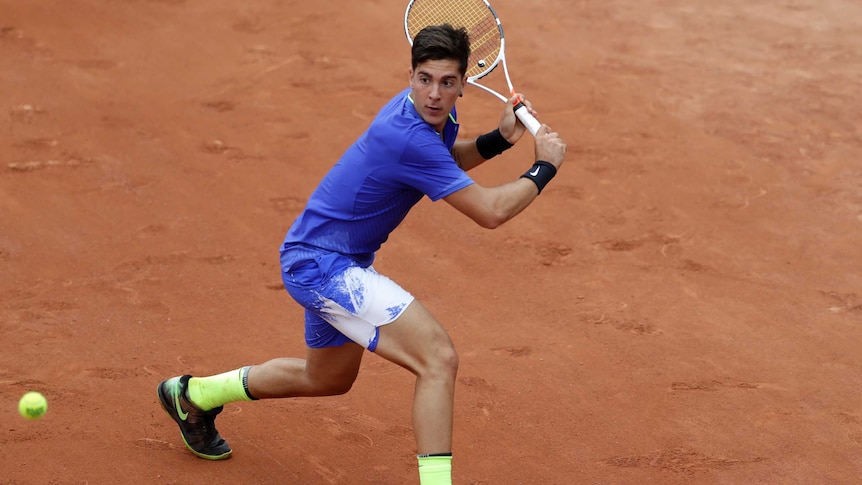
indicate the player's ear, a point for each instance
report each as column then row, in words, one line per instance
column 410, row 78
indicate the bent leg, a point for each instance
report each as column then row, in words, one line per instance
column 325, row 371
column 417, row 342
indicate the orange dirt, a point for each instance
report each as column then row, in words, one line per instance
column 682, row 305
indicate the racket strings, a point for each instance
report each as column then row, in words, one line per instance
column 475, row 16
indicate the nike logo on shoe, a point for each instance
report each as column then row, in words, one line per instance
column 176, row 392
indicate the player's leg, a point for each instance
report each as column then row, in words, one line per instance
column 417, row 342
column 330, row 367
column 325, row 371
column 375, row 312
column 194, row 402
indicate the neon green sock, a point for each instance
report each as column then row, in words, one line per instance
column 214, row 391
column 435, row 469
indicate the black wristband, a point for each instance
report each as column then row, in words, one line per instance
column 540, row 173
column 244, row 373
column 492, row 144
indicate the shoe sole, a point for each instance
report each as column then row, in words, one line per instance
column 167, row 404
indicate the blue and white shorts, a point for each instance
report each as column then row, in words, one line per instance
column 343, row 301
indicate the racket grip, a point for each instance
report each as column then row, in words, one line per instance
column 527, row 119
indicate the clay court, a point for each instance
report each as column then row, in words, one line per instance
column 683, row 304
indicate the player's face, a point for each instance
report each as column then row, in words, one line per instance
column 436, row 86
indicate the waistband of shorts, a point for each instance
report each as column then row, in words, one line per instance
column 292, row 253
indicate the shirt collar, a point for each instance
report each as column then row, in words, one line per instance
column 451, row 118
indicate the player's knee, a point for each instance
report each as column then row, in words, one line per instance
column 331, row 385
column 445, row 362
column 335, row 388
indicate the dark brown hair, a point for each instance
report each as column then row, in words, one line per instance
column 440, row 42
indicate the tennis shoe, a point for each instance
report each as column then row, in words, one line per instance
column 197, row 426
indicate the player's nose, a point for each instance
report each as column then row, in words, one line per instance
column 434, row 93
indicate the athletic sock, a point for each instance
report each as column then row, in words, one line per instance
column 214, row 391
column 435, row 469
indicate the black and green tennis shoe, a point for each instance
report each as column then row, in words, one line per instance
column 197, row 427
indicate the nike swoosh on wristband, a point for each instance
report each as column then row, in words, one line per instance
column 535, row 172
column 180, row 413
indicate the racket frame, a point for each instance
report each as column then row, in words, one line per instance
column 520, row 108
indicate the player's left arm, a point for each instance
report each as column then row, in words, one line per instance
column 492, row 206
column 471, row 153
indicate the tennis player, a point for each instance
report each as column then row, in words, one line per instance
column 408, row 152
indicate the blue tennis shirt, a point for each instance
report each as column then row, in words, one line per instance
column 399, row 159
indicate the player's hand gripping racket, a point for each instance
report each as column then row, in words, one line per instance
column 487, row 45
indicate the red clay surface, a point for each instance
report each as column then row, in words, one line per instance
column 682, row 305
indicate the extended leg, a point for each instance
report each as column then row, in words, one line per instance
column 324, row 372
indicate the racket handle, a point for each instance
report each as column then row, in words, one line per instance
column 527, row 119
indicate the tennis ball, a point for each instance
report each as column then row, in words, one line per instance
column 32, row 405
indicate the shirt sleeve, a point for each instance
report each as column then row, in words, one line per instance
column 428, row 166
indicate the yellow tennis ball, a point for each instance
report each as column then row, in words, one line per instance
column 32, row 405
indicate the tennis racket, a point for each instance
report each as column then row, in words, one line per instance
column 487, row 44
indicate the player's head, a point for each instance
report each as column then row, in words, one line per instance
column 437, row 75
column 441, row 42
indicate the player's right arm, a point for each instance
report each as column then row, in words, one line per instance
column 492, row 206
